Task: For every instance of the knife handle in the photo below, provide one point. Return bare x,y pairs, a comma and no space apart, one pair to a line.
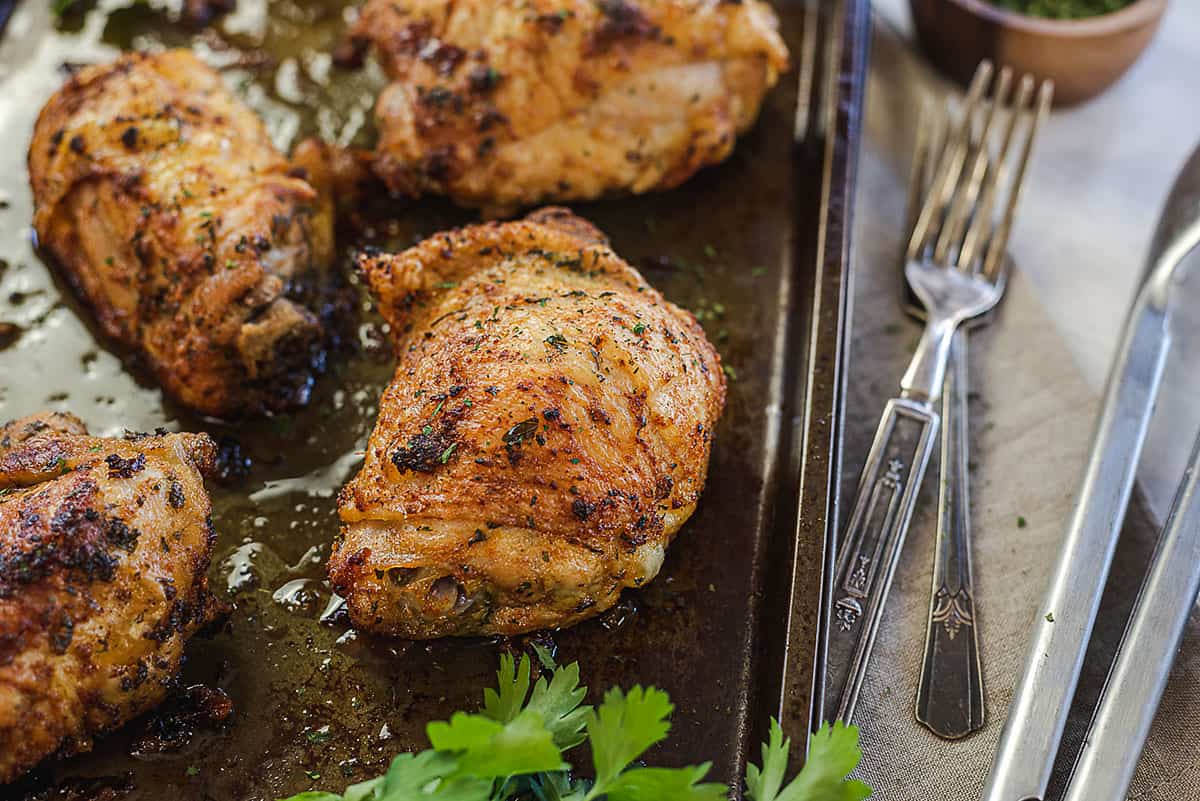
1143,663
1041,700
870,547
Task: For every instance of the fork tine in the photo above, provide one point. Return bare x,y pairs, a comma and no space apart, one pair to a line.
982,223
950,165
924,158
937,148
967,191
995,252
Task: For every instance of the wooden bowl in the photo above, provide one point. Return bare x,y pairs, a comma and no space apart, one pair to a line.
1083,56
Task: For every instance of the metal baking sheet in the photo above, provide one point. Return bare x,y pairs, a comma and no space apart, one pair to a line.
757,247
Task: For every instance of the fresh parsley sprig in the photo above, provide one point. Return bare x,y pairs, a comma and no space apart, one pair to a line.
512,750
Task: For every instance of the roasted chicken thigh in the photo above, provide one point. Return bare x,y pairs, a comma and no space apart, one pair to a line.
104,544
513,102
545,435
190,237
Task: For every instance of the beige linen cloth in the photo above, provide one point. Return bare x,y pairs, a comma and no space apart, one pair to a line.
1031,427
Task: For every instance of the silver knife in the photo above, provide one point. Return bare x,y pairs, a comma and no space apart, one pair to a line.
1033,732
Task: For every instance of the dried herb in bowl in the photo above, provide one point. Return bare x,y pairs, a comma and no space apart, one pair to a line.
1063,9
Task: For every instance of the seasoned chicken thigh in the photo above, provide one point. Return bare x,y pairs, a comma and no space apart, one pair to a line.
104,544
166,205
545,435
513,102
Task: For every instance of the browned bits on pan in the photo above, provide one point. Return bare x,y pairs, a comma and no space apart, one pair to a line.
174,725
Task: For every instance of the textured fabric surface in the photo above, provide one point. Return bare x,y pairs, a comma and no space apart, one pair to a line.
1032,422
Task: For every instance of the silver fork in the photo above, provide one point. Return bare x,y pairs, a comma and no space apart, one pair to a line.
950,695
953,266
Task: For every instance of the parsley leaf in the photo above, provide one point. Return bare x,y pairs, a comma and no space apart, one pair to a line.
833,752
623,728
429,774
488,749
557,787
503,703
545,655
557,701
656,784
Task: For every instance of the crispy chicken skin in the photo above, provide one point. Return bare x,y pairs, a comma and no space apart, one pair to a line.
183,228
513,102
104,544
545,435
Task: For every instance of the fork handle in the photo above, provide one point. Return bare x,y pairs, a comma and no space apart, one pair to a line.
927,371
950,693
870,548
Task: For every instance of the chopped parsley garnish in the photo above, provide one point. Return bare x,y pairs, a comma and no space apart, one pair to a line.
521,431
318,736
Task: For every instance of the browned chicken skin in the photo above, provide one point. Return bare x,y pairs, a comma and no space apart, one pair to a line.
514,102
545,435
184,229
104,544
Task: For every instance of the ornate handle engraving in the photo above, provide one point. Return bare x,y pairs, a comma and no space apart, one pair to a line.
953,612
884,500
870,547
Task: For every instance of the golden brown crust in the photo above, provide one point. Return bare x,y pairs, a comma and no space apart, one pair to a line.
104,544
170,211
545,435
515,102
